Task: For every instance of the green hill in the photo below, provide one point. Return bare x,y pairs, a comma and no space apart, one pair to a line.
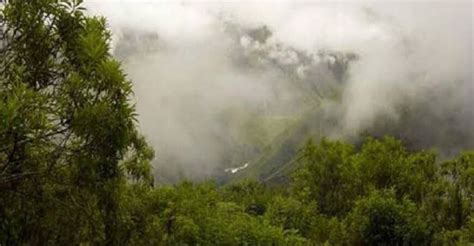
277,157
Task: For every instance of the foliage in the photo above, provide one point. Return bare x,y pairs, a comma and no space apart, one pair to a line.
67,124
381,219
386,194
75,170
328,177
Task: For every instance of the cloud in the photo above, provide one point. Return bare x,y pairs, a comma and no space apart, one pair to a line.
194,64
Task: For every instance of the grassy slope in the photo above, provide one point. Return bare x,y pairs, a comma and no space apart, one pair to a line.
278,157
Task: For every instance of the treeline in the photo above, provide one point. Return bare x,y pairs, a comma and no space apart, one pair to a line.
379,194
74,169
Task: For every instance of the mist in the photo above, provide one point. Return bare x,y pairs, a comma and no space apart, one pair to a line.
202,71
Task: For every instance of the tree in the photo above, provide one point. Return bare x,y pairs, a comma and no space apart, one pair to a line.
66,126
75,170
290,213
381,163
384,193
254,196
327,176
379,219
458,195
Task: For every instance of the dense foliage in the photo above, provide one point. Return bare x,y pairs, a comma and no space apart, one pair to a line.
75,170
378,193
67,133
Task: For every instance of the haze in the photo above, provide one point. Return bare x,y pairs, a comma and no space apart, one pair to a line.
201,70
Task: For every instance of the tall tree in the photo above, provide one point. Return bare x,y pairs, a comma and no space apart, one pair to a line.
67,124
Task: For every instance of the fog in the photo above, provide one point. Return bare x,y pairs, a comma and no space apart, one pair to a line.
202,71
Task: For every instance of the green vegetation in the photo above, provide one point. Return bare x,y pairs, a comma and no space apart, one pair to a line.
75,171
278,157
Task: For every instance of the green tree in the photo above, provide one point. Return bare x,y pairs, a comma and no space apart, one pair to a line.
66,126
291,214
458,192
380,219
327,177
381,163
199,214
252,195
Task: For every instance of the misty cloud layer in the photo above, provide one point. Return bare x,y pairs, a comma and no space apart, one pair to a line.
201,71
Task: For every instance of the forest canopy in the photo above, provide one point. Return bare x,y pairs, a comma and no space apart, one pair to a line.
75,170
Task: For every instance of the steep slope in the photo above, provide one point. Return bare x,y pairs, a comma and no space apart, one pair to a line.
278,157
419,126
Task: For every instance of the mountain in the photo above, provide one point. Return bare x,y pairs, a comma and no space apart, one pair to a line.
259,139
297,82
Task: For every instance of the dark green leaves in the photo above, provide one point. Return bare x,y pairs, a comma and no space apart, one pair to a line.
66,125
